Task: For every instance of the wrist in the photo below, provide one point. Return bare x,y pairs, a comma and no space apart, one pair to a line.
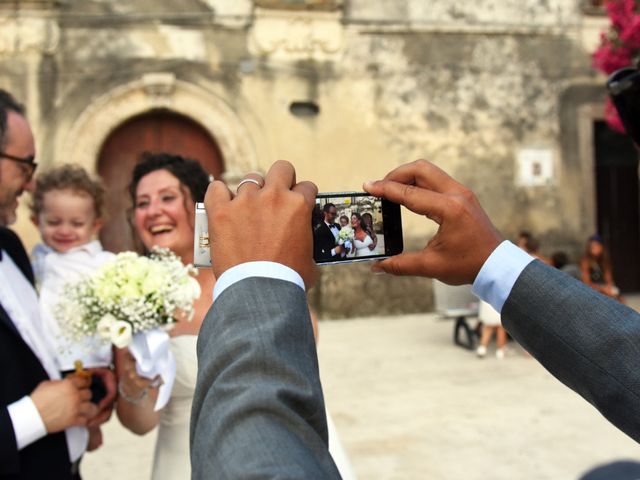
132,394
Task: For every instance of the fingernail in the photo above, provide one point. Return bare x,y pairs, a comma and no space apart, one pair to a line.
377,269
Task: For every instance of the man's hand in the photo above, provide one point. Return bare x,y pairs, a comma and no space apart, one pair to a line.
105,406
64,403
466,237
270,221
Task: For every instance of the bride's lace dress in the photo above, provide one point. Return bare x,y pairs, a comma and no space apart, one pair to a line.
172,460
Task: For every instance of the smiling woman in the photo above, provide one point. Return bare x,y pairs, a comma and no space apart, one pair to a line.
163,190
155,131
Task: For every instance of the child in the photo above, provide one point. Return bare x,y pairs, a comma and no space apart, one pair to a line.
345,236
67,209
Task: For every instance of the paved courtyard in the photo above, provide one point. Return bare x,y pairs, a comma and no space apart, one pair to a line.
410,405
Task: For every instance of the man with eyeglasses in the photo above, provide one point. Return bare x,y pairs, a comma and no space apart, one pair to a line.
42,416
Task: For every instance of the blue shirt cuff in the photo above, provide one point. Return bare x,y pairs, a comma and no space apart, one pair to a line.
499,273
256,269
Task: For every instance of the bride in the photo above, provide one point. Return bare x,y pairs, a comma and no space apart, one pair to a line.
362,237
164,189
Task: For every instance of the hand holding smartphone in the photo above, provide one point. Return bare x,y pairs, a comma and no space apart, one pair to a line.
347,227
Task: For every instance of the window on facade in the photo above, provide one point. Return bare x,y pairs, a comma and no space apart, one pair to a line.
323,5
595,7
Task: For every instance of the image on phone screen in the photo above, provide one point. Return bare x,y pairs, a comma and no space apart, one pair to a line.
354,226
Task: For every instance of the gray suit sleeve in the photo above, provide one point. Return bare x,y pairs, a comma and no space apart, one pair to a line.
588,341
258,409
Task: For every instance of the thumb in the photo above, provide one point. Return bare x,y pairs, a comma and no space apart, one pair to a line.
411,263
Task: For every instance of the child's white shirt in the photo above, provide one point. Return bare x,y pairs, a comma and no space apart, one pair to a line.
53,271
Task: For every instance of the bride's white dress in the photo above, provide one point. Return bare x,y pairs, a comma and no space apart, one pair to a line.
362,247
172,459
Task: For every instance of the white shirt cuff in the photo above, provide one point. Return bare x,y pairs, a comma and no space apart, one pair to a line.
27,423
499,273
256,269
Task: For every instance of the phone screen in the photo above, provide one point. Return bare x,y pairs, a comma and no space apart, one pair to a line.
354,226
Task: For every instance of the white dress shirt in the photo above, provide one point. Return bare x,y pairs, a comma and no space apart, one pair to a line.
20,301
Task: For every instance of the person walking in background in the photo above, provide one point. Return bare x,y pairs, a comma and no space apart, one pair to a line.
491,324
560,260
596,269
530,244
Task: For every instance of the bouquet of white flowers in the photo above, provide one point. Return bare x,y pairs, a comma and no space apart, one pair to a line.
130,302
345,237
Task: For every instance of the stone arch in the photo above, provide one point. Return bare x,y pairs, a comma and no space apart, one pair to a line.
83,141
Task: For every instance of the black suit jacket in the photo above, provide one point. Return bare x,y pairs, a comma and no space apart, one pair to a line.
20,373
324,242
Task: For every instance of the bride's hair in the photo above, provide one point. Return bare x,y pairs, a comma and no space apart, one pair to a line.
363,225
189,172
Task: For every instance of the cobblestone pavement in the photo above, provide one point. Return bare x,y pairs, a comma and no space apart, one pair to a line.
410,405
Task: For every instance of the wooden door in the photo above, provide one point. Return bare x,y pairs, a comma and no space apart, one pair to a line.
618,203
157,131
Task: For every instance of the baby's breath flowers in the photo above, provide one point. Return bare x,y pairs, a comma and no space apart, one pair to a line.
129,295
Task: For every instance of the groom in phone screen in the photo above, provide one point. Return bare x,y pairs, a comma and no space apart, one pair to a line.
325,236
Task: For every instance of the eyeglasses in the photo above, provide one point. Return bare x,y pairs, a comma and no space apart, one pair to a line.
624,89
27,163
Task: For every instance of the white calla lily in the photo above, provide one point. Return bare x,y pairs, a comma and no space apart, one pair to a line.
121,333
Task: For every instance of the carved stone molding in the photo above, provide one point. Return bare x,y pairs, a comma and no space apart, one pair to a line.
296,35
82,141
28,35
159,87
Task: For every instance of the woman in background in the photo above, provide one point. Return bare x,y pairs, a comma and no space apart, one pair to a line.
367,218
595,266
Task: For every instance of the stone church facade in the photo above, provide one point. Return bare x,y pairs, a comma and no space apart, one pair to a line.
499,93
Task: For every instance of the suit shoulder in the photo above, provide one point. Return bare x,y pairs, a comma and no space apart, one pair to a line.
9,237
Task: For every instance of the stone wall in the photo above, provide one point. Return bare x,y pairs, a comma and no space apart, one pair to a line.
467,85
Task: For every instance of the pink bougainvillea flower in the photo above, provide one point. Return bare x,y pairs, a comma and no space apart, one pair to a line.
630,35
620,12
609,58
619,47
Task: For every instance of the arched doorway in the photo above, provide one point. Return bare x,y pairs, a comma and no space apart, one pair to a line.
155,131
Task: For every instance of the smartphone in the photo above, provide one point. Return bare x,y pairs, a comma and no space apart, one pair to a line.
355,227
201,251
347,227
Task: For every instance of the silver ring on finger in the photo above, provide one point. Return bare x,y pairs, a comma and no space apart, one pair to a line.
248,180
